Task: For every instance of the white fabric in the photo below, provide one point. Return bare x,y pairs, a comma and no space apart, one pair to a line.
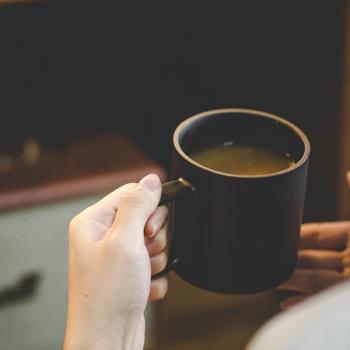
320,323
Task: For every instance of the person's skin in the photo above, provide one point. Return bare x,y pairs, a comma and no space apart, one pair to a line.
114,248
118,243
323,258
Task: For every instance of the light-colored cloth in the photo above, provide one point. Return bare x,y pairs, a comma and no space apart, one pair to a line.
319,323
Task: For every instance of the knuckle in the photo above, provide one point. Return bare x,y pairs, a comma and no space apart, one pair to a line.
316,236
160,261
157,245
74,224
135,196
159,289
129,186
163,257
346,272
78,226
128,252
162,239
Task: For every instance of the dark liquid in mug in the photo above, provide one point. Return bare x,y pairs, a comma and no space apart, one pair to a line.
243,159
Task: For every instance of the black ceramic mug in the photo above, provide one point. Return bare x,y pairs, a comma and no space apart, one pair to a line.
233,233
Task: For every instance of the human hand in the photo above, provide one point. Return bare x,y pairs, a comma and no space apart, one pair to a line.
114,247
323,259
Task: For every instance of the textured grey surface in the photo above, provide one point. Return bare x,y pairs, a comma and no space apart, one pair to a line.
35,240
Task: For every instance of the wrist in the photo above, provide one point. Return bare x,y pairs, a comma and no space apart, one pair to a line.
77,339
87,342
92,334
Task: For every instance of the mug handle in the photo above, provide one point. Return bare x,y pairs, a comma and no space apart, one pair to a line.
178,190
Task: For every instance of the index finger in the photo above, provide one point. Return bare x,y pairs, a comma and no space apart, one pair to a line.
104,211
326,235
112,199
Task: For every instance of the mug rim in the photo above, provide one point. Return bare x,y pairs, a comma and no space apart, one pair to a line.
187,122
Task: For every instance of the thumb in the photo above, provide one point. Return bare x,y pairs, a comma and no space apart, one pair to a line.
348,178
135,207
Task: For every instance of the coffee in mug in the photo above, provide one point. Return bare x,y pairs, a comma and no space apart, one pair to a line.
235,159
235,226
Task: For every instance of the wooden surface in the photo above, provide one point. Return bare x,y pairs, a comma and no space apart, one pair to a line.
194,319
78,167
344,142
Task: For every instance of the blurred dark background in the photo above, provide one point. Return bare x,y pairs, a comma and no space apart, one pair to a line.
71,69
76,67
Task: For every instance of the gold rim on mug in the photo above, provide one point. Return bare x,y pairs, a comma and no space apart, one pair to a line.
182,127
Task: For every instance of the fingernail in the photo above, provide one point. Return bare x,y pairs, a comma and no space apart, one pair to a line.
156,227
150,182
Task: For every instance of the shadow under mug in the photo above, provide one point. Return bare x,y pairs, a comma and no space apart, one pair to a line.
233,233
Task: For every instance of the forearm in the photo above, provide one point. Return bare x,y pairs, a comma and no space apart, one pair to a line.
87,342
85,332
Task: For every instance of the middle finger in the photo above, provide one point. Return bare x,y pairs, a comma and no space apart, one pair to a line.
158,243
326,235
158,263
320,259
